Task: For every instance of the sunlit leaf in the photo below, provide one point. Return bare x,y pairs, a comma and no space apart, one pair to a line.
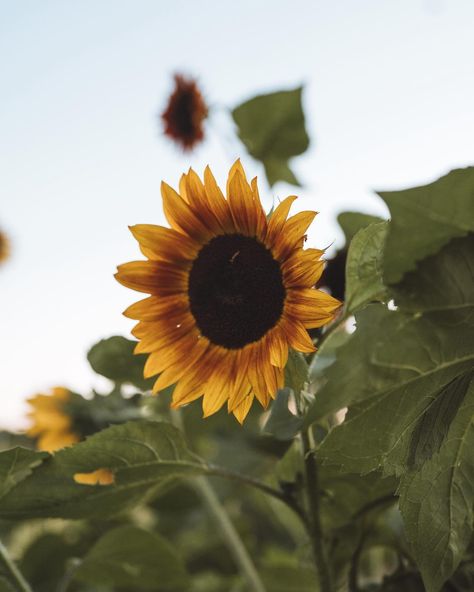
364,267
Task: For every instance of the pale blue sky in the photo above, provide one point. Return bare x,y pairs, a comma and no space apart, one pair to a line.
389,97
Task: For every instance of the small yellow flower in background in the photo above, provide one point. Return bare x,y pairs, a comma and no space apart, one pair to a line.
230,293
51,425
185,113
53,429
4,247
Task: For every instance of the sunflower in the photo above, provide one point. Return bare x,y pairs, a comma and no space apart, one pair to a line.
51,425
4,247
185,113
230,293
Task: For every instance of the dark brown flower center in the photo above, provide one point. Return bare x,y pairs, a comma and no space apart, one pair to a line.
235,290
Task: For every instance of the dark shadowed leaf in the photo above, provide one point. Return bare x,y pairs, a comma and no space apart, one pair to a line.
437,501
281,423
272,127
131,556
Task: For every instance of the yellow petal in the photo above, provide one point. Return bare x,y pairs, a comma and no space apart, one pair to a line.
165,243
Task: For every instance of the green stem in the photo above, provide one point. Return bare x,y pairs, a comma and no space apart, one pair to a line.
313,498
234,542
230,534
246,479
12,572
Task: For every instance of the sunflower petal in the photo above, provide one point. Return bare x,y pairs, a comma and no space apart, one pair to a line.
163,243
180,215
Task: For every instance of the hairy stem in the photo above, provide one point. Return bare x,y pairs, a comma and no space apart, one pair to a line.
313,499
230,534
12,572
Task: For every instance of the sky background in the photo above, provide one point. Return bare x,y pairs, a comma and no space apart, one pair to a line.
389,96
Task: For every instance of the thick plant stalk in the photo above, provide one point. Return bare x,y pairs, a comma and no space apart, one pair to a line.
10,569
315,529
233,540
217,510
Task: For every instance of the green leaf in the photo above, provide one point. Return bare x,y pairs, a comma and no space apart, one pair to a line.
352,222
272,128
443,282
296,372
131,556
17,464
143,455
281,423
426,218
114,359
432,428
395,365
364,281
437,501
398,365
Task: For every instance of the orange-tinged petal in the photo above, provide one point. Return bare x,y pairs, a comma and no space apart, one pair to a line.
180,215
278,347
218,203
154,308
164,244
297,335
240,198
153,277
303,268
277,220
242,409
293,234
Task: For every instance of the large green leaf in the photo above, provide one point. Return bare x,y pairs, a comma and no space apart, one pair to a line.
272,127
131,556
437,501
141,454
364,281
426,218
396,365
114,359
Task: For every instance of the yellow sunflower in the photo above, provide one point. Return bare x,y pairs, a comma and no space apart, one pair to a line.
51,425
53,429
230,293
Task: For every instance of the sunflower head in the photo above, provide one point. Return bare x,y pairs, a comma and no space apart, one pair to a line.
50,423
230,293
4,247
185,113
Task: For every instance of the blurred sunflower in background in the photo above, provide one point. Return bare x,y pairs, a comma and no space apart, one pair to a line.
185,113
4,247
52,427
230,293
